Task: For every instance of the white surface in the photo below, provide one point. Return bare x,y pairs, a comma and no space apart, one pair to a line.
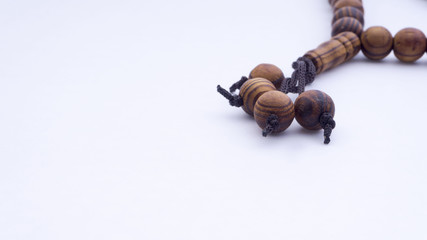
111,128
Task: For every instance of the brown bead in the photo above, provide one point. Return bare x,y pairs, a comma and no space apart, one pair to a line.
351,42
332,2
274,103
348,3
348,12
347,24
251,90
377,43
409,44
269,72
309,107
334,52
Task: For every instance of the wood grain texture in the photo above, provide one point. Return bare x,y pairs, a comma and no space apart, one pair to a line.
251,90
351,42
310,105
334,52
332,2
348,12
347,24
277,103
409,44
349,3
269,72
377,43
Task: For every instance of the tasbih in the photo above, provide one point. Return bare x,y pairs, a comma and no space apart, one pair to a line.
263,94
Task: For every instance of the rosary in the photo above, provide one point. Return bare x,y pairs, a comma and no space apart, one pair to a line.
263,94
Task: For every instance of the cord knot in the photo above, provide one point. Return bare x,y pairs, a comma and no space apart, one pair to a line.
233,99
304,73
328,123
272,124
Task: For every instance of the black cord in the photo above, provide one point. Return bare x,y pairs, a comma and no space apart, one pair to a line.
304,73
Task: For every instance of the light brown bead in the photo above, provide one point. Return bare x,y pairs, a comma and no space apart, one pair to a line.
409,44
348,3
347,24
269,72
334,52
348,12
251,90
274,103
310,105
377,43
351,42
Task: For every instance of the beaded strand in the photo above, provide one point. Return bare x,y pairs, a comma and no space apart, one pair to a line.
263,94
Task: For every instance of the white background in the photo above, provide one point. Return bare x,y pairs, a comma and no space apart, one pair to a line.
111,126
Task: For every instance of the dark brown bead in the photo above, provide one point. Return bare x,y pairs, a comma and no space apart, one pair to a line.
409,44
274,103
347,24
348,12
334,52
351,42
348,3
309,107
377,43
251,90
269,72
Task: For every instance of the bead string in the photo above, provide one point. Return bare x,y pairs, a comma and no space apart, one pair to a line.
263,94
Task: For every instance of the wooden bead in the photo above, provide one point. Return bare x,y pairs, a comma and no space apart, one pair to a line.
269,72
310,105
348,12
327,55
274,103
377,43
332,2
251,90
351,42
348,3
347,24
409,44
334,52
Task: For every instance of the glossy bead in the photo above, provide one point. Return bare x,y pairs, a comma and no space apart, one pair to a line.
409,44
251,90
269,72
348,3
377,43
310,105
347,24
274,103
348,12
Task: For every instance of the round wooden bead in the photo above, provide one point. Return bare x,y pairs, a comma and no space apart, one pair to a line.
310,105
349,3
348,12
377,43
251,90
274,103
409,44
347,24
269,72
